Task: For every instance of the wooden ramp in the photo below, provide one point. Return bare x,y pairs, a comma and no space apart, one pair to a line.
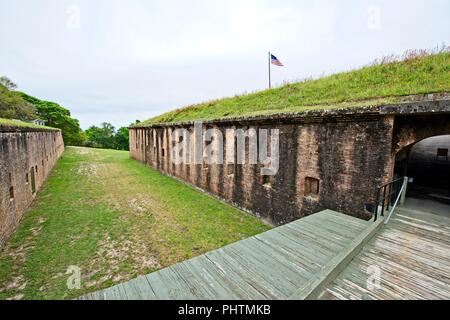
412,253
286,262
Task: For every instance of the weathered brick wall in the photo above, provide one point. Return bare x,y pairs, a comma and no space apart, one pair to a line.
349,152
344,154
26,158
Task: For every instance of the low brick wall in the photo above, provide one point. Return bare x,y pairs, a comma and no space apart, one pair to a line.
27,156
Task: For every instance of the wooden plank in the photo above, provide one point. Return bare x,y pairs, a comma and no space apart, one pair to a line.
355,280
214,287
321,237
341,227
325,230
316,284
182,289
142,289
329,216
310,255
413,254
300,250
264,267
402,279
161,289
314,234
262,252
223,288
318,240
344,221
333,232
346,218
255,283
196,286
308,264
97,295
114,293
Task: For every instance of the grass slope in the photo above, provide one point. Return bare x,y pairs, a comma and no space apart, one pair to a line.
115,219
384,82
21,124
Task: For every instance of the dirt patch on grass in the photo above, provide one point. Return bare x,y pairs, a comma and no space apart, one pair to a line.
122,256
138,206
82,151
88,169
16,282
120,260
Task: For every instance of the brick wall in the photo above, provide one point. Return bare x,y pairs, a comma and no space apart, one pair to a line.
26,158
344,156
348,153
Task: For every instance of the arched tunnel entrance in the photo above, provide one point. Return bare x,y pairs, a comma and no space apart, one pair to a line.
427,164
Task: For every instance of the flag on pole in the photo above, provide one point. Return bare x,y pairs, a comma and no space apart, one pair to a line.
275,61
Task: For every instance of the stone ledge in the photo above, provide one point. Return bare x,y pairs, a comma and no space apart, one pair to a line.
420,107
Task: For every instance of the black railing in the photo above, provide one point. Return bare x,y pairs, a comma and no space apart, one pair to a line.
387,195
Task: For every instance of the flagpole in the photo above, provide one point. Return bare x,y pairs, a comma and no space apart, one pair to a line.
270,82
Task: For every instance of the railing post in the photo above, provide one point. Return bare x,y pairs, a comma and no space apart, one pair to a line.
383,200
405,186
377,204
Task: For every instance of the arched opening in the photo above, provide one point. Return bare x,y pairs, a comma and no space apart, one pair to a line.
427,164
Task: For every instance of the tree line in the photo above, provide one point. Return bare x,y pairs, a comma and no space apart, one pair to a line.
18,105
107,137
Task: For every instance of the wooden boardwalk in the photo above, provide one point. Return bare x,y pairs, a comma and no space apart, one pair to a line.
412,253
271,265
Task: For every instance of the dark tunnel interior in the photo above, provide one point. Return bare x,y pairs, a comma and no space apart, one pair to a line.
427,164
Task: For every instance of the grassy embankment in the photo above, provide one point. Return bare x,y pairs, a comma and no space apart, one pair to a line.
22,124
114,218
380,83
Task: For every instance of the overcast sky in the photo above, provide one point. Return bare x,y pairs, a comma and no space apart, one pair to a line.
118,61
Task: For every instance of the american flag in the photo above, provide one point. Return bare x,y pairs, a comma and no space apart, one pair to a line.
275,61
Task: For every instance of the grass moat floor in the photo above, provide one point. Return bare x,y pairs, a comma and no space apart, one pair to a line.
113,218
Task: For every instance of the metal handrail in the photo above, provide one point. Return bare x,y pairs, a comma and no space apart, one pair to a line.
400,194
386,194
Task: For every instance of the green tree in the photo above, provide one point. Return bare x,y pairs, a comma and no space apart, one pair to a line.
58,117
122,139
105,136
101,137
12,105
73,134
7,83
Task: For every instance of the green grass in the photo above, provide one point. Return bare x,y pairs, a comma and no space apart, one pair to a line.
380,83
115,219
22,124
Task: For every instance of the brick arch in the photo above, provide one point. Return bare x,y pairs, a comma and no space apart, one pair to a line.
408,130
